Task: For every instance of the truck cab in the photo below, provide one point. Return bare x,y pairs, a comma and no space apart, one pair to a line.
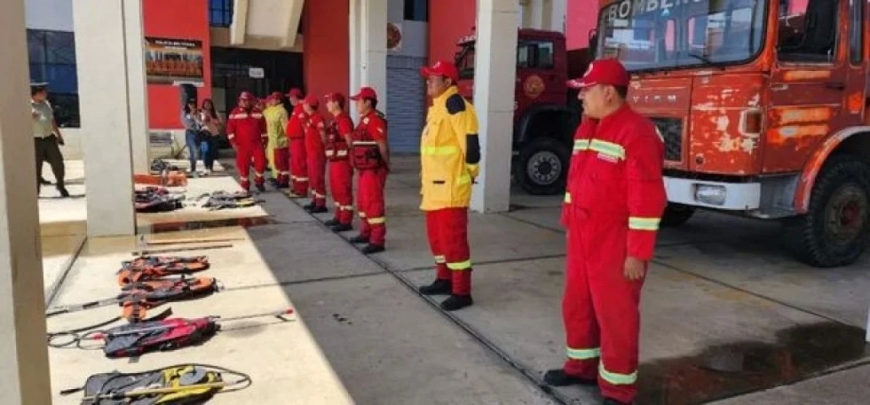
545,115
763,109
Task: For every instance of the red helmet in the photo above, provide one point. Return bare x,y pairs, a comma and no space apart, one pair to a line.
246,96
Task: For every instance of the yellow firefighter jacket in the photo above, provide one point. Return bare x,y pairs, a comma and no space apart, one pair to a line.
449,152
276,122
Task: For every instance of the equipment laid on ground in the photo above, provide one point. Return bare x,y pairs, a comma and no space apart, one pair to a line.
145,268
144,337
219,200
157,199
178,384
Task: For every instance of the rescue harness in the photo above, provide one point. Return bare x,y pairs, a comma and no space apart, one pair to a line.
173,385
157,199
145,268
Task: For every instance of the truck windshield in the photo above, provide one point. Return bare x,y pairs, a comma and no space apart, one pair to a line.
661,34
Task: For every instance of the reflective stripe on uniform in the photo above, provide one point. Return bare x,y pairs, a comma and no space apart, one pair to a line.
581,145
440,259
377,221
302,179
643,224
583,354
459,265
464,179
568,198
611,149
439,150
342,153
318,195
616,378
346,207
362,214
364,143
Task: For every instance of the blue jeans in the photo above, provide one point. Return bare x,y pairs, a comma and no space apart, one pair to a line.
193,148
208,150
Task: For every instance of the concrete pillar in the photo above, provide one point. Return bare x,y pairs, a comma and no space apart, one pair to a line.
104,85
24,374
137,86
494,82
558,15
368,48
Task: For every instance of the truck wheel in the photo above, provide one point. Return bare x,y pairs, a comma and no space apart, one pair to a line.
676,215
835,229
542,167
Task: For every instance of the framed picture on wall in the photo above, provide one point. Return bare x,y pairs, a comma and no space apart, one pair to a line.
173,61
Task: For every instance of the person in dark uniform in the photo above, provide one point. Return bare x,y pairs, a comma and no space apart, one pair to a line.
47,137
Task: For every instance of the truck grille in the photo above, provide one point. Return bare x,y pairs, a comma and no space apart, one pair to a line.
672,131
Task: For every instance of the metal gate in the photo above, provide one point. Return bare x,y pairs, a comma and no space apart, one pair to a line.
406,108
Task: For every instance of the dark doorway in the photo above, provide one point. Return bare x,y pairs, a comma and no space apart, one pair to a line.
231,74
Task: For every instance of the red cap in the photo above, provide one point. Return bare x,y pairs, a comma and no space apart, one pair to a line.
311,100
365,92
294,92
274,96
246,96
602,71
441,68
337,97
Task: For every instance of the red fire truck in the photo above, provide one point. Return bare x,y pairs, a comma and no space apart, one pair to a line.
763,107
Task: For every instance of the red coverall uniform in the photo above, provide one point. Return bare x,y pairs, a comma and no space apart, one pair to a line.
246,129
340,169
372,177
614,200
298,160
316,156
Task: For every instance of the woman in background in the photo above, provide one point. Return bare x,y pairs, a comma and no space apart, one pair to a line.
190,118
212,125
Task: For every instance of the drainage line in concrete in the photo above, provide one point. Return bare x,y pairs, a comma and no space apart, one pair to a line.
307,281
55,289
523,371
743,290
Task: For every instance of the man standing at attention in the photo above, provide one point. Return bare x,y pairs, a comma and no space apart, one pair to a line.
450,153
246,130
340,171
296,135
370,155
47,137
614,200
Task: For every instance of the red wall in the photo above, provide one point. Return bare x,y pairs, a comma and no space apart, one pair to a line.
187,19
326,47
582,16
449,21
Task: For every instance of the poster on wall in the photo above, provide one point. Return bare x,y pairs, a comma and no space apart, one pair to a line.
173,61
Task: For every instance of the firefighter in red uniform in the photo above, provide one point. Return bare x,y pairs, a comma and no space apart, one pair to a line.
613,204
371,157
246,130
315,134
296,134
340,171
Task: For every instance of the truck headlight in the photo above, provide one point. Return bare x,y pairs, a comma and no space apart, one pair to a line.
713,195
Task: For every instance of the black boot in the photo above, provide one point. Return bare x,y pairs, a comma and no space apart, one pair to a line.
369,249
308,207
318,209
559,378
611,401
261,188
341,228
331,222
456,302
359,239
63,192
438,287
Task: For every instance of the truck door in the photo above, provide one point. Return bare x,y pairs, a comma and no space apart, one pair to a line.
537,78
810,81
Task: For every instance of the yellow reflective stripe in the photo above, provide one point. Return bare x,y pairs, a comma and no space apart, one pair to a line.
616,378
459,265
581,145
607,148
583,354
464,179
346,207
362,214
440,259
377,221
440,150
302,178
568,198
643,224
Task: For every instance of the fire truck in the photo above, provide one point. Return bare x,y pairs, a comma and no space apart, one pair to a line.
546,113
763,107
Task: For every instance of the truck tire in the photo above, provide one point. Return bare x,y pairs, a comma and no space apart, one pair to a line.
676,215
834,232
542,167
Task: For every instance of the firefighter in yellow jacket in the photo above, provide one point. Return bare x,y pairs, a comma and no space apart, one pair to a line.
450,153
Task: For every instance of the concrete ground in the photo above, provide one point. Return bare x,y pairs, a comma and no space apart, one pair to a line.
721,291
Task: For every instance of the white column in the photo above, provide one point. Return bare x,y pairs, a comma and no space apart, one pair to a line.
100,29
368,48
137,87
559,12
494,77
868,324
24,374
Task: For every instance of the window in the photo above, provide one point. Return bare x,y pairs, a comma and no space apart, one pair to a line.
417,10
535,54
856,27
220,13
52,58
807,30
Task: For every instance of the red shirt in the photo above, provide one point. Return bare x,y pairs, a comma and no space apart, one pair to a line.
374,125
295,125
246,126
313,139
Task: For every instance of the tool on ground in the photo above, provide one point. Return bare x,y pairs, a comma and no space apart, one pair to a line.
146,252
180,241
177,384
161,335
219,200
157,199
145,268
136,298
